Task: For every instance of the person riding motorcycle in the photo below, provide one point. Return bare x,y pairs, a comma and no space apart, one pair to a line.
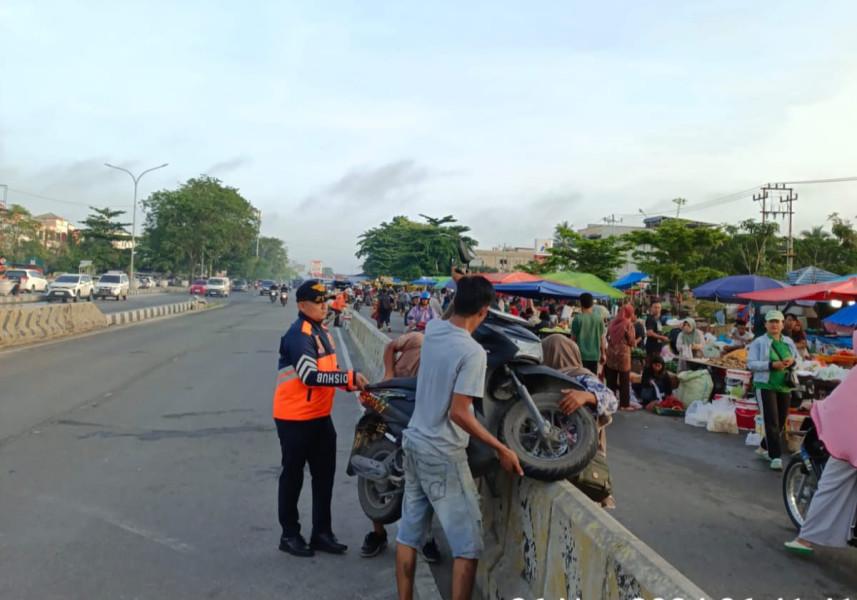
421,314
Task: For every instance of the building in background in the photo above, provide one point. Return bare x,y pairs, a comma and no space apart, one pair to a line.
55,231
504,259
603,230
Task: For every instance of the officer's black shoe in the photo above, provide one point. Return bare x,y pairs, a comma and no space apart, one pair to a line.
296,546
327,542
373,544
430,551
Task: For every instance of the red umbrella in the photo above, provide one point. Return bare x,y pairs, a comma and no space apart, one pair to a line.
829,290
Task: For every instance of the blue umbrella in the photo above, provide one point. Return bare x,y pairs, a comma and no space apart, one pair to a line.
543,289
629,280
726,289
449,284
423,281
847,317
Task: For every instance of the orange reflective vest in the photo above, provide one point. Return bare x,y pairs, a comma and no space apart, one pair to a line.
308,375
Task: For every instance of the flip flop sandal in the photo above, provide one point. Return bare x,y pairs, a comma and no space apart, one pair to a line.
798,548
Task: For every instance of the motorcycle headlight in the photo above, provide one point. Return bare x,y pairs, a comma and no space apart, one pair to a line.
529,349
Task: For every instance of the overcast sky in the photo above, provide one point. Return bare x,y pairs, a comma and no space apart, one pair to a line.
333,116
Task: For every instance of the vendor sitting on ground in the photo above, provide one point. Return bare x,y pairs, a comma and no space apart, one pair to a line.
740,336
655,376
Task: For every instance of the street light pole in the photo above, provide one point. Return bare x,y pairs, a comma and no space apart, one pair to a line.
134,212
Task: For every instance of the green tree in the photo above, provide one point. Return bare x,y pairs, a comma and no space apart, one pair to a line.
19,234
676,253
752,248
406,249
201,226
99,237
573,252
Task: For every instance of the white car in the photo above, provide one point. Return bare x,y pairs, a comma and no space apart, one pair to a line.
112,285
217,286
30,280
71,286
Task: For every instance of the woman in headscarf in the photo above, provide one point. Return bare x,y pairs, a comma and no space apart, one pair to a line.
689,343
562,354
617,368
831,511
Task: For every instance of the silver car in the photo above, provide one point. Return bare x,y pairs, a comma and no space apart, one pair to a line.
217,286
112,285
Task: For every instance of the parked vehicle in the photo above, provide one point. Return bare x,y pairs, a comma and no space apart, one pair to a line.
70,286
113,284
29,280
520,407
217,286
198,287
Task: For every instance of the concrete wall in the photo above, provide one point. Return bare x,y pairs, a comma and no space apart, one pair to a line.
27,325
548,540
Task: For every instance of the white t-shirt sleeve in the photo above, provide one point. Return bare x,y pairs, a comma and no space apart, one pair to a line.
470,379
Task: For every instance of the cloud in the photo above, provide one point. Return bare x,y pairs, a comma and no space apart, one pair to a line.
366,186
228,165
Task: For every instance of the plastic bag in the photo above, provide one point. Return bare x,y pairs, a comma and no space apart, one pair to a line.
693,386
697,414
722,417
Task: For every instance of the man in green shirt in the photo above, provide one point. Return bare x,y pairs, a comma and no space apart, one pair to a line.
588,331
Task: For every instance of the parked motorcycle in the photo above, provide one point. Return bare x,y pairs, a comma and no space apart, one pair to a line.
520,407
284,297
801,477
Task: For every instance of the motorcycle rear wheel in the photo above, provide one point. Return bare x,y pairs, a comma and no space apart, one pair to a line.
570,448
375,498
799,486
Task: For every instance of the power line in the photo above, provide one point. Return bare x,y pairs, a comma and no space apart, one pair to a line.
836,180
50,199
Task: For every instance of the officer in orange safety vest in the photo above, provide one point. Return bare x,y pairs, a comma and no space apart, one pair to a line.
306,382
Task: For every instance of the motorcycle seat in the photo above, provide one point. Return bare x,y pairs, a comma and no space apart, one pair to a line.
406,383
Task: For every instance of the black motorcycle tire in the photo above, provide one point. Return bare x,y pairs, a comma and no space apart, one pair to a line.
382,510
550,469
794,469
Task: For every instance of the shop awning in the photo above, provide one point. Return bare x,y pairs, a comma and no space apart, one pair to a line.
817,292
847,317
513,277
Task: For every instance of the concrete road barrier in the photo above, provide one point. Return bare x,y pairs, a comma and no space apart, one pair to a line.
548,540
158,290
370,344
142,314
18,326
21,298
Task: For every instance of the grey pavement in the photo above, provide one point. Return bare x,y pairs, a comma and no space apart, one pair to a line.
703,502
143,463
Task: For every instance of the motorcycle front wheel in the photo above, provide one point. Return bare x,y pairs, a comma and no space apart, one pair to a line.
567,450
799,486
381,501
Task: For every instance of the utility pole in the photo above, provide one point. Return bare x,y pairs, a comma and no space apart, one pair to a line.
612,220
679,202
259,232
782,209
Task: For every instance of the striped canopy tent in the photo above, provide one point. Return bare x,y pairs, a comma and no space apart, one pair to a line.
809,275
585,281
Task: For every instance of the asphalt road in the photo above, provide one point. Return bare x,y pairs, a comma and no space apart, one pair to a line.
142,462
703,502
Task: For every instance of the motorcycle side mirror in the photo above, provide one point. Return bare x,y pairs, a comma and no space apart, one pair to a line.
464,253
